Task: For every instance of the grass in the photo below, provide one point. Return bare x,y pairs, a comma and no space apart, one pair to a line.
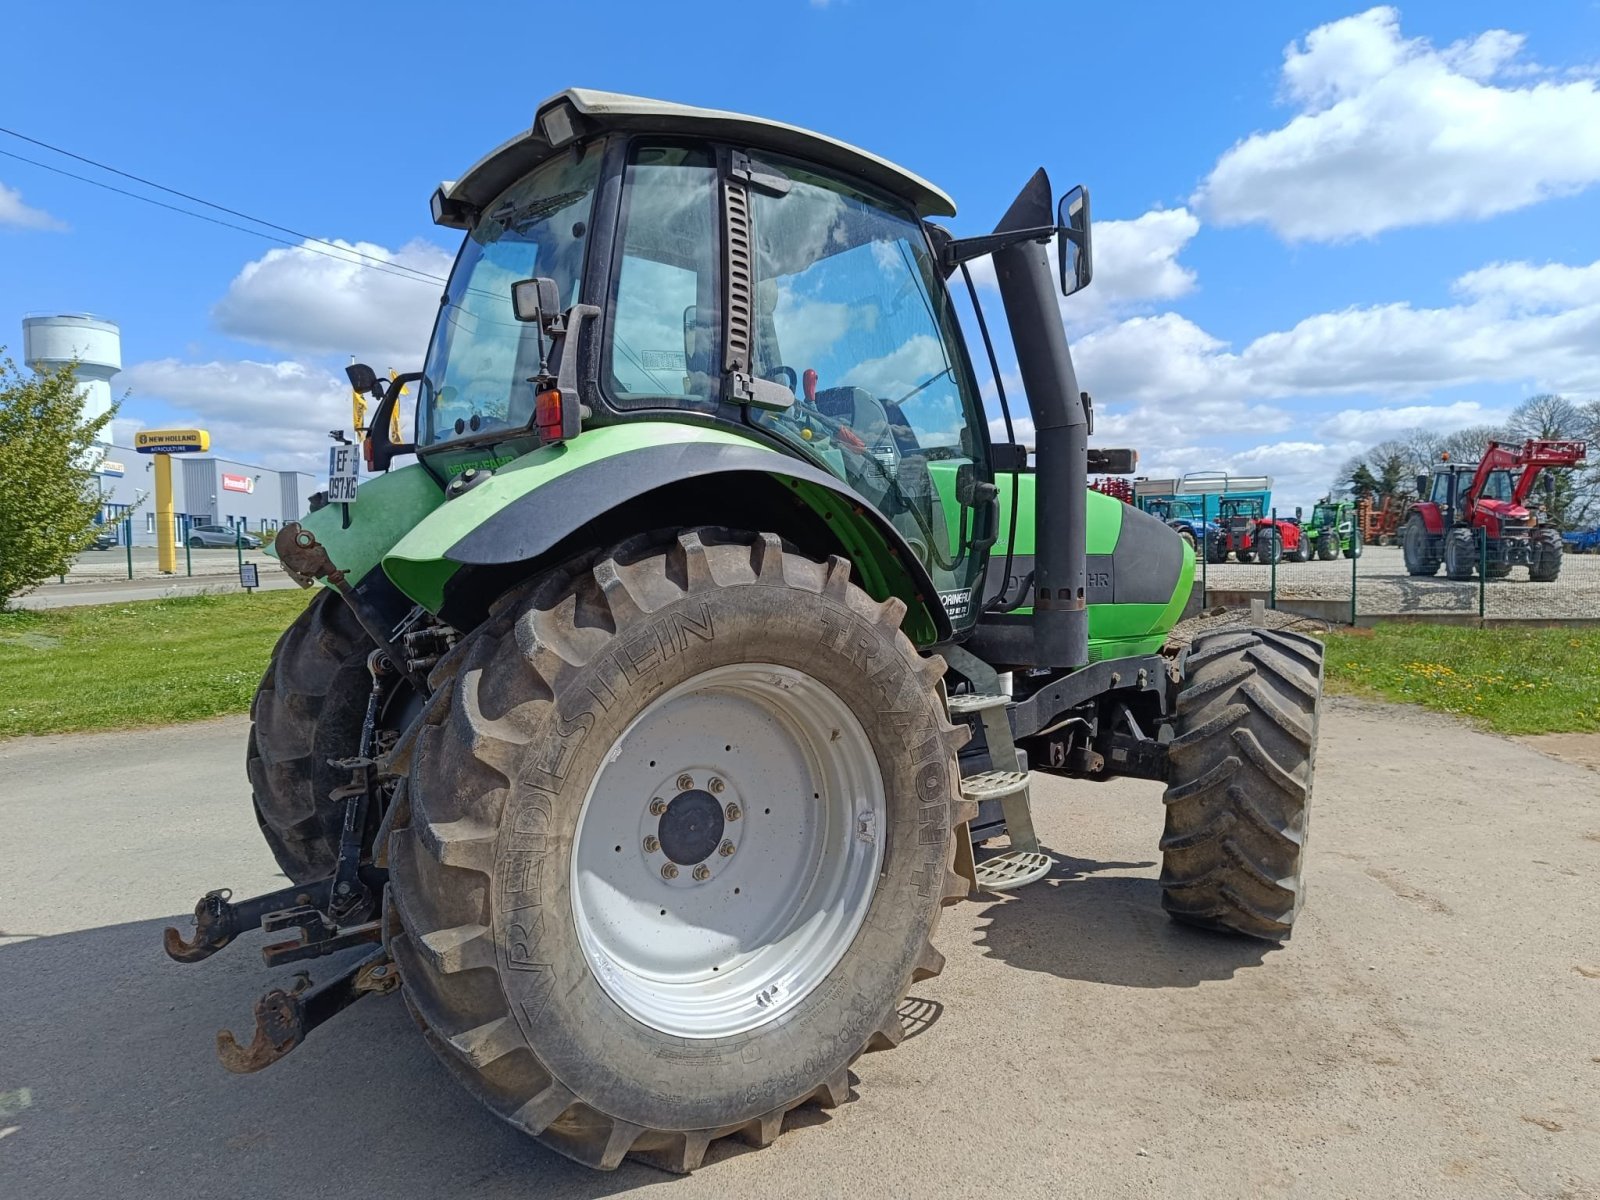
1505,680
152,662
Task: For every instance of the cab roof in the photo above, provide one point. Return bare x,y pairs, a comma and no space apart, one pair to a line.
582,112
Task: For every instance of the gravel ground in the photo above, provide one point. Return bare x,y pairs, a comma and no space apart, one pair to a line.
1433,1030
1383,587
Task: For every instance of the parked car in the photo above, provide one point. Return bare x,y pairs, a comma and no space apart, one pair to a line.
104,540
213,536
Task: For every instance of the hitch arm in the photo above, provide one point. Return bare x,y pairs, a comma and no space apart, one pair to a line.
217,920
283,1018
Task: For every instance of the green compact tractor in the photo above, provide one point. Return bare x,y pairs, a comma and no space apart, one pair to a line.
1333,529
648,719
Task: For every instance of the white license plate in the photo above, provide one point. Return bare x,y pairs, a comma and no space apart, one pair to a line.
343,466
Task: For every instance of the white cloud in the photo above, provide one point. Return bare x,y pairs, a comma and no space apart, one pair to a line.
309,303
1530,288
14,214
1135,262
277,414
1392,132
1368,425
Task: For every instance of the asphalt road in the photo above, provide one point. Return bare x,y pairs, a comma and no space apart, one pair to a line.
120,591
1432,1030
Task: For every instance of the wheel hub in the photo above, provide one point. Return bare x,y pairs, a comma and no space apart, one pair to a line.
691,828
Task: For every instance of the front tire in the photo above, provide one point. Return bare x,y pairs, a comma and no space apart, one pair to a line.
1460,552
1353,550
1238,795
1547,550
1328,544
590,996
1268,547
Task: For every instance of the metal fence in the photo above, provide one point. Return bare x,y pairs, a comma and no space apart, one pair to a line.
1374,582
124,560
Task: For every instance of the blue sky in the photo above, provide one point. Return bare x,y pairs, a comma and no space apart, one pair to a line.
1316,223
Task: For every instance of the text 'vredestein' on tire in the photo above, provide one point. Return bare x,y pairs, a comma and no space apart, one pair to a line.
1238,796
676,834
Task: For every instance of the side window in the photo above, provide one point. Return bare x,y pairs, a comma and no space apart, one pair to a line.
1441,488
663,328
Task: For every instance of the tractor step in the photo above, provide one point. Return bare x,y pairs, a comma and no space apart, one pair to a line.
973,702
994,785
1013,869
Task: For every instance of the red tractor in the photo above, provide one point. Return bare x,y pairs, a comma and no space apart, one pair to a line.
1463,498
1246,533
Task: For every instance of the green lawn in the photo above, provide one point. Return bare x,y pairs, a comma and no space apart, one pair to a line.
1507,680
146,663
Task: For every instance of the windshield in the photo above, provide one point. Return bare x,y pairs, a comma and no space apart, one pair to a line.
1241,508
1325,514
1497,486
481,357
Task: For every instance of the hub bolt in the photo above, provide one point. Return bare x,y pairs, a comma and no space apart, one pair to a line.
702,872
651,844
657,806
725,849
733,811
716,786
668,871
685,782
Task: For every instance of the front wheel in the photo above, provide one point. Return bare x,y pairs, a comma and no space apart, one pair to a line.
678,833
1328,544
1545,564
196,544
1268,547
1238,793
1353,549
1460,552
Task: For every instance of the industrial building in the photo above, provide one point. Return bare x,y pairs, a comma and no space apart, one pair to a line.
207,490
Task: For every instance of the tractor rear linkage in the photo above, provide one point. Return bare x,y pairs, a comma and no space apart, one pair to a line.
329,915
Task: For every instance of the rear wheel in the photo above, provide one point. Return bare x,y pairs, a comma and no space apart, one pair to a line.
1328,544
196,543
676,833
1545,566
308,708
1416,547
1186,535
1216,549
1239,790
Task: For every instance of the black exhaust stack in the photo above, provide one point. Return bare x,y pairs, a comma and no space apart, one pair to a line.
1028,288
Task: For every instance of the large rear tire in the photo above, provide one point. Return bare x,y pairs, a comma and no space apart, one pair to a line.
1238,795
674,838
308,708
1414,545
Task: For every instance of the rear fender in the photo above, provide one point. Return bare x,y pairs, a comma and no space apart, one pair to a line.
1432,517
357,536
621,479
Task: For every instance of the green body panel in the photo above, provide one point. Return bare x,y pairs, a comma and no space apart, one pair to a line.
419,566
391,505
1115,630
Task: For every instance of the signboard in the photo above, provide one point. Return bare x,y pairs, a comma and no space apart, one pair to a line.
249,576
344,464
107,467
171,441
238,483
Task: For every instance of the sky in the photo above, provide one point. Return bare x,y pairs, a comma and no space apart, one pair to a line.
1316,224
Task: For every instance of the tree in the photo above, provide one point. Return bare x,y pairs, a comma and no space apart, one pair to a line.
1362,483
49,492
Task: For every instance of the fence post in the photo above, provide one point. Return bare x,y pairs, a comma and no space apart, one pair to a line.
127,537
1483,568
238,545
188,550
1205,554
1353,561
1272,579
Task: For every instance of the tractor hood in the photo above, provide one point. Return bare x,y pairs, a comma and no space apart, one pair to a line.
1505,510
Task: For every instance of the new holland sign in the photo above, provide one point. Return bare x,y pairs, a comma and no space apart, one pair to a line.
171,441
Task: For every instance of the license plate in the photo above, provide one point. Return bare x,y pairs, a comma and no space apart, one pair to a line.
343,467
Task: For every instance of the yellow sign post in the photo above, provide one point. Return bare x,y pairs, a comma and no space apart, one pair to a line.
164,443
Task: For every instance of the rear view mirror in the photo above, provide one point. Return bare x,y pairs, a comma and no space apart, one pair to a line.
1073,243
363,379
535,300
1422,486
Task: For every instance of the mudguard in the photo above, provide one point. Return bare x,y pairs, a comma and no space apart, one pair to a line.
529,506
357,536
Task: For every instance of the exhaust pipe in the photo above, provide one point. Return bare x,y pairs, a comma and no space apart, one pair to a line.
1028,289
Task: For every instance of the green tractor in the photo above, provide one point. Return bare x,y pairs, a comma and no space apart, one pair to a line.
647,721
1333,529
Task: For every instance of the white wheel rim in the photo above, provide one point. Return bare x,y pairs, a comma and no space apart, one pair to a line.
713,946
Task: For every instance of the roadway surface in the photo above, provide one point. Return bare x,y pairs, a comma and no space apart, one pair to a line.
120,591
1433,1029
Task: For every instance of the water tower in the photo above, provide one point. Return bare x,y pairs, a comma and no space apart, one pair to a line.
49,342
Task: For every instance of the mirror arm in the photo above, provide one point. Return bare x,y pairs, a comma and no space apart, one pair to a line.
955,251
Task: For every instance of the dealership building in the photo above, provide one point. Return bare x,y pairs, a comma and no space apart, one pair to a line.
205,491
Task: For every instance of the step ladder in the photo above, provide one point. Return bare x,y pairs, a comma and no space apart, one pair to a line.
1005,781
